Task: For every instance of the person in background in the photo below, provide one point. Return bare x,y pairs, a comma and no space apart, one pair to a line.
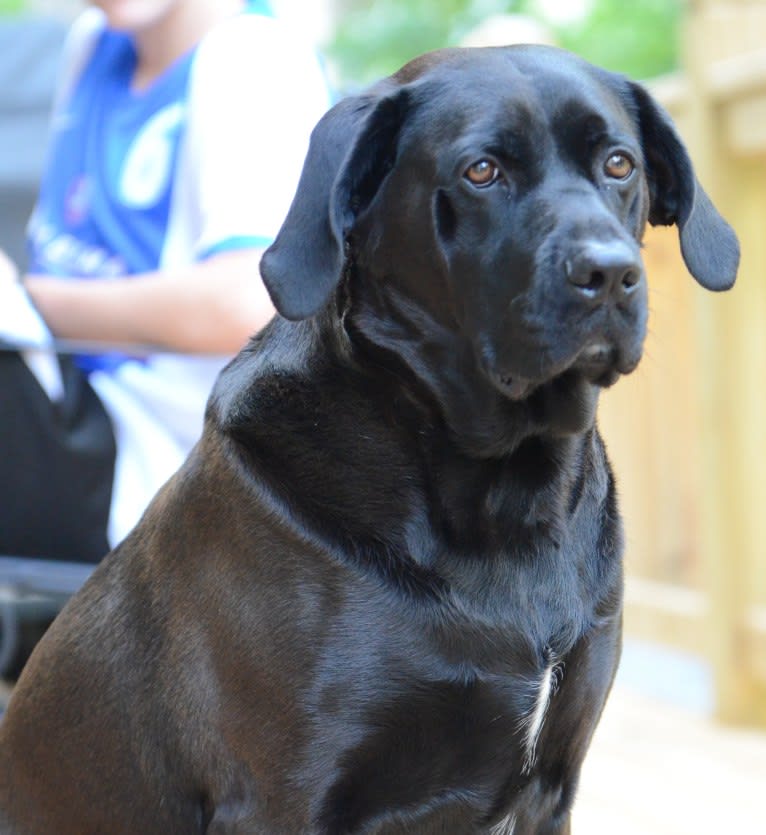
177,140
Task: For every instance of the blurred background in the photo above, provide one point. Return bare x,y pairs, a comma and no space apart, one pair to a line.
686,432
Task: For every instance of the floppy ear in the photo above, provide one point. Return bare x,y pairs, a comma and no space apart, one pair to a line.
352,149
708,244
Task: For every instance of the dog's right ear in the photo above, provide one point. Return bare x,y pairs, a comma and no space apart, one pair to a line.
708,244
352,149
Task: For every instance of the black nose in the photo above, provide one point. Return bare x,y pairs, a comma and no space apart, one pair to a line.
604,271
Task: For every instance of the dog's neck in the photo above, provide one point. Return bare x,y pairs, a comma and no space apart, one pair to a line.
361,419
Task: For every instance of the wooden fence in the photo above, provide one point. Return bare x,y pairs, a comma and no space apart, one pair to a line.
687,432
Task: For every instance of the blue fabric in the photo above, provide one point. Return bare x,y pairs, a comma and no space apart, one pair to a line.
112,158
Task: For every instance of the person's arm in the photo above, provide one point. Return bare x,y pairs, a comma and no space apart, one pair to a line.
209,307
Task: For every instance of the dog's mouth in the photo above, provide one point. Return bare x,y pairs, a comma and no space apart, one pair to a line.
604,364
599,363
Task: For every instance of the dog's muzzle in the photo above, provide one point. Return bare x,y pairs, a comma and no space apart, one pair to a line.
595,321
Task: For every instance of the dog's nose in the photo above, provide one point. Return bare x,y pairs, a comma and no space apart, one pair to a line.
603,271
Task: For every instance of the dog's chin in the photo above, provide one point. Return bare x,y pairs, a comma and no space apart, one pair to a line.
599,364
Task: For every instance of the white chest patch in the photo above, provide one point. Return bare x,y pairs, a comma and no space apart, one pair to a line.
505,827
532,723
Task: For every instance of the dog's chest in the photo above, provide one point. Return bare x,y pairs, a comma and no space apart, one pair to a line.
445,755
432,737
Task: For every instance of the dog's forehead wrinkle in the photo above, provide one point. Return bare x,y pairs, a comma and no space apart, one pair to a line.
577,120
568,87
509,130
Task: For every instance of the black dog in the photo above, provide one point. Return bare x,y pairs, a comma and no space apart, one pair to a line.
384,593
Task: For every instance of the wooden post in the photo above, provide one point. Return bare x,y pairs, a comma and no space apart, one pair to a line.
731,330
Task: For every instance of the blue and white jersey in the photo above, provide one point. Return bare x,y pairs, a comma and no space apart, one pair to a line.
205,159
104,204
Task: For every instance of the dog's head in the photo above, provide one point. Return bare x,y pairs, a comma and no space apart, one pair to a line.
500,195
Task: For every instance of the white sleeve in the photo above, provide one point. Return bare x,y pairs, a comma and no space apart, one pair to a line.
80,41
78,47
256,91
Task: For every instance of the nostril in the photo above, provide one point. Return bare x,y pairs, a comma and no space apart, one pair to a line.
630,280
590,283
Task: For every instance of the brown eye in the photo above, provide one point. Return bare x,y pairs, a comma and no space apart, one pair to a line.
482,173
619,167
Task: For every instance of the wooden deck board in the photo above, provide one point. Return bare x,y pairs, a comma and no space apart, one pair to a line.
655,769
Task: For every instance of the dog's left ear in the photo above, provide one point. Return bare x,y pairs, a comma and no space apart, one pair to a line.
352,149
708,244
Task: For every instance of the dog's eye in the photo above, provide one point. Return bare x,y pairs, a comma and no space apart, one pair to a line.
482,173
619,167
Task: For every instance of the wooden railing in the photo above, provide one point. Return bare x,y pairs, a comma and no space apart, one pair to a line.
687,432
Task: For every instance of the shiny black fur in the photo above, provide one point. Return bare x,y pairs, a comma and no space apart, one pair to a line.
400,521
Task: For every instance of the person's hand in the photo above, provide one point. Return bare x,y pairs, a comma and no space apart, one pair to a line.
9,273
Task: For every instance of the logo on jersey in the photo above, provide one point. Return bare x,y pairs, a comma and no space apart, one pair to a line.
57,252
77,201
148,165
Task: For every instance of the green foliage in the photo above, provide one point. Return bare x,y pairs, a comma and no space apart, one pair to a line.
9,7
375,37
639,38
